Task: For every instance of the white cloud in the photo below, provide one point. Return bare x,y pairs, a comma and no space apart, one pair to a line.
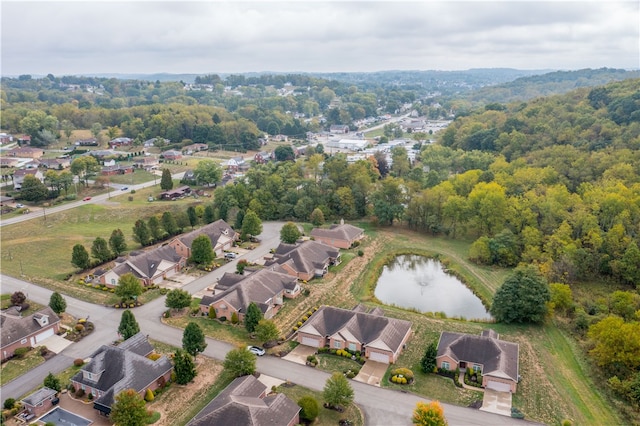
201,37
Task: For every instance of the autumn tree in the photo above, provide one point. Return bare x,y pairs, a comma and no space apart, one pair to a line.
429,414
117,242
80,257
240,362
128,325
166,182
184,367
616,342
252,317
317,217
18,298
193,339
129,409
522,297
129,287
100,250
289,233
57,303
267,330
201,250
561,297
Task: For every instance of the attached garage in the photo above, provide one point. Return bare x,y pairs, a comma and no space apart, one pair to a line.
498,386
379,357
44,335
310,341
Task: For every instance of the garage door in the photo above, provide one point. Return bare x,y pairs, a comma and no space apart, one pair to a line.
379,357
309,341
498,386
40,337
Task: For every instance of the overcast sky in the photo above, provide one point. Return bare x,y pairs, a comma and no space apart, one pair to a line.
83,37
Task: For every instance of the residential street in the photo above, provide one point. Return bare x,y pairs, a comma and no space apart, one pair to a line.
381,406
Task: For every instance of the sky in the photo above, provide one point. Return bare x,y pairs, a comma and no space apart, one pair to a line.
203,37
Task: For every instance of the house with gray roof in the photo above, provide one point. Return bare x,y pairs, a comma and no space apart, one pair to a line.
342,236
496,360
245,402
377,337
220,233
26,331
305,260
150,267
113,369
267,288
39,402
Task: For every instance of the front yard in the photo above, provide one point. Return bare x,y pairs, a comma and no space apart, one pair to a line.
16,367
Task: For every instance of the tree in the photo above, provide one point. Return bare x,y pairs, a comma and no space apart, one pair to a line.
284,153
207,172
193,339
184,367
561,297
128,325
117,242
309,408
289,233
267,330
100,250
129,409
57,303
252,317
155,229
201,250
141,232
209,214
177,299
129,287
429,414
80,257
317,217
169,223
251,224
617,343
33,189
193,217
52,382
521,298
240,362
428,361
85,167
337,390
166,182
18,298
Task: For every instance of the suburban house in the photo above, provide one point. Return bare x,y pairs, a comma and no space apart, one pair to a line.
19,175
116,169
148,162
9,162
173,194
5,138
237,164
86,142
305,260
55,163
340,236
194,147
495,359
28,331
379,338
172,155
339,128
113,369
245,402
150,267
120,142
26,152
221,234
39,402
263,157
266,288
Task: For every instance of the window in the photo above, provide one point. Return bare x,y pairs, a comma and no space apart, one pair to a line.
337,344
23,341
445,365
113,281
477,368
352,346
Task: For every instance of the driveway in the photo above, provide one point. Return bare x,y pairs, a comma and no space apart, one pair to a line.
300,353
371,373
55,343
496,402
85,410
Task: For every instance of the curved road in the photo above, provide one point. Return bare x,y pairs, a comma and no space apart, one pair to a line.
381,406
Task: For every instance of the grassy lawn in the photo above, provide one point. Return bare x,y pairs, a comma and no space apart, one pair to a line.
235,334
17,367
332,363
325,416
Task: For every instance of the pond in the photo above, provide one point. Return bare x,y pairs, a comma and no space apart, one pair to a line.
417,282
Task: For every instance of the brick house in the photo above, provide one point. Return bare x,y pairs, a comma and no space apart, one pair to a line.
221,234
113,369
24,332
172,155
305,260
495,359
40,402
245,402
26,152
340,236
379,338
19,175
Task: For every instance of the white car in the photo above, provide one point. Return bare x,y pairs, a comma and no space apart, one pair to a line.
256,350
19,206
230,255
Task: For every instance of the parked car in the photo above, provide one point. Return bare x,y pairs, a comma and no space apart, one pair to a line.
230,256
124,188
19,206
86,198
256,350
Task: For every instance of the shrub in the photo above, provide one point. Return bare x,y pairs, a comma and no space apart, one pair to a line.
212,312
20,352
167,313
234,318
44,351
403,372
90,396
79,328
78,362
79,393
305,318
299,323
148,396
360,253
154,356
309,408
516,414
9,403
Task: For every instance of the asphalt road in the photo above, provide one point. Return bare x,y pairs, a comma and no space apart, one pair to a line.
381,406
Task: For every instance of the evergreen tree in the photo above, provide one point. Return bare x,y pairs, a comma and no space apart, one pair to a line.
193,339
428,362
201,250
521,298
184,367
129,409
169,223
100,250
290,233
252,317
166,182
117,242
57,303
309,408
209,214
193,217
52,382
128,325
141,232
80,257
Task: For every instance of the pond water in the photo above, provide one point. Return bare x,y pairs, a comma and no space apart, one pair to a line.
421,283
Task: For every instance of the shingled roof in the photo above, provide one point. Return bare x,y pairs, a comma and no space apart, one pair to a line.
344,231
372,330
145,265
213,230
15,328
240,403
117,368
498,357
306,256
